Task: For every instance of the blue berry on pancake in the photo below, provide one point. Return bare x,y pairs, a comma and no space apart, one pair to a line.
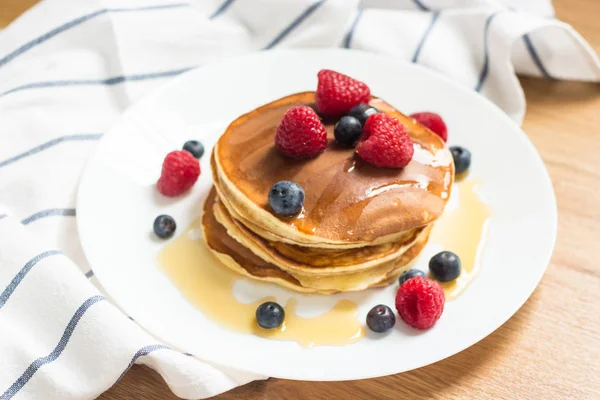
286,198
362,111
347,131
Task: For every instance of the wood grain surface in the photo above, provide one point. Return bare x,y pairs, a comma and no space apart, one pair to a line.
550,349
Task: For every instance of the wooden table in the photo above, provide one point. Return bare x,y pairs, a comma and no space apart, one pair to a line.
551,348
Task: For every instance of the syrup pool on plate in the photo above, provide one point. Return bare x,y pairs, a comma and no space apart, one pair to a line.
462,229
209,286
196,272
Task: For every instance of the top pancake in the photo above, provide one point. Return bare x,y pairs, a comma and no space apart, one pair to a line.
347,201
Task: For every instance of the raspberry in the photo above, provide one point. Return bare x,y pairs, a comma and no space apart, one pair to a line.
338,93
420,302
180,171
432,121
300,133
385,142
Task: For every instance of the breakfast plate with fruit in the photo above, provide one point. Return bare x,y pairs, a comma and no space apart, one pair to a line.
317,215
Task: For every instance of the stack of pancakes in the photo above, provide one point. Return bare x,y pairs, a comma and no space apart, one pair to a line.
361,226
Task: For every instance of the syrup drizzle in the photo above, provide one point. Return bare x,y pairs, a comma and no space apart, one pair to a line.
197,273
337,179
462,229
209,286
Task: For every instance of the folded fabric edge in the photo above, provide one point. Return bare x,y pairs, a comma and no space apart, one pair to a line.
182,372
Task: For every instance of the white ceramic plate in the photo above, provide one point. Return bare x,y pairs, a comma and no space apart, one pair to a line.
117,204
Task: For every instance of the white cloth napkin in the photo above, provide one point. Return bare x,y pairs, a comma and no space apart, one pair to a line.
68,68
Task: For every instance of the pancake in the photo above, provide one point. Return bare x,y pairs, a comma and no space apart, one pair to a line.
348,203
237,257
360,227
241,259
312,256
345,261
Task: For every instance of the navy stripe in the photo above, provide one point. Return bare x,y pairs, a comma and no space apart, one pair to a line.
3,216
189,354
532,52
22,273
350,34
485,69
34,366
221,9
434,19
305,14
69,212
51,143
535,56
77,21
108,81
141,352
89,274
421,6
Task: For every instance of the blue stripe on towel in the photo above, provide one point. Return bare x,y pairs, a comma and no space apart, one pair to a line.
51,143
141,352
221,9
532,51
22,273
350,34
89,274
3,216
535,56
434,19
486,61
69,212
305,14
78,21
421,6
108,81
64,340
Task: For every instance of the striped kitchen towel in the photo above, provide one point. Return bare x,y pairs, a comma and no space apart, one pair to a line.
68,69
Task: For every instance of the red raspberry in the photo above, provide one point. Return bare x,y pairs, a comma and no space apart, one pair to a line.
338,93
300,133
420,302
180,171
385,143
432,121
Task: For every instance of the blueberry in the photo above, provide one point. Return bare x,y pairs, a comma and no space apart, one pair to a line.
347,131
194,147
462,159
286,198
411,273
445,266
164,226
362,111
270,315
381,318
